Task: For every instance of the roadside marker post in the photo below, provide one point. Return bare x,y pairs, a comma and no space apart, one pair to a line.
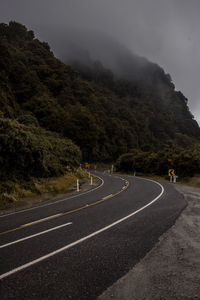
78,186
175,177
91,181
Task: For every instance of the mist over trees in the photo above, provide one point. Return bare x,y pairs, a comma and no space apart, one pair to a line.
50,110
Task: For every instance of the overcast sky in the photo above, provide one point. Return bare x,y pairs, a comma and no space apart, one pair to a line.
165,31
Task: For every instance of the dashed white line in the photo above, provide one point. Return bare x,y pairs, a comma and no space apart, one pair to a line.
33,262
34,235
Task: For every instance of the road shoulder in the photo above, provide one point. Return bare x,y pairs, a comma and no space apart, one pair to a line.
171,269
46,198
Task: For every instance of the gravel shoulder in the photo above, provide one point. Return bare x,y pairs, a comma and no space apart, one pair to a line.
171,270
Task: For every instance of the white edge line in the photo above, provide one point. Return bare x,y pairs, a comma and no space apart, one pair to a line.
33,235
58,201
84,238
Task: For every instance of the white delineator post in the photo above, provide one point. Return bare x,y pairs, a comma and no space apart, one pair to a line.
78,186
170,178
91,181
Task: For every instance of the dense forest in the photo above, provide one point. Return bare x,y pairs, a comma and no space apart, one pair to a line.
53,115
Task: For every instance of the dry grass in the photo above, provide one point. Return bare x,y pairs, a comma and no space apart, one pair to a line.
193,181
13,193
59,185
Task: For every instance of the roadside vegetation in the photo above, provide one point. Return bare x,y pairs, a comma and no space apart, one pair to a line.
190,181
15,194
53,117
185,162
103,114
193,181
31,151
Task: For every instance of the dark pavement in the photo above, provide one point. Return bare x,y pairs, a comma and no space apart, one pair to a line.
85,270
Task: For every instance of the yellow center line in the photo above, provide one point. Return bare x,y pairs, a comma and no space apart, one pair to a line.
65,213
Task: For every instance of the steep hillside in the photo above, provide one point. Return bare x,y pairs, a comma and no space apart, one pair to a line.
103,114
29,150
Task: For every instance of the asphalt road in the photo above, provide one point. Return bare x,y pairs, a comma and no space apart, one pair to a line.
77,247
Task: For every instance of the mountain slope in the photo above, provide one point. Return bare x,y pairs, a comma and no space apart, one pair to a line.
103,114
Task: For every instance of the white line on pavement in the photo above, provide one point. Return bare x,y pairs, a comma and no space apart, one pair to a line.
33,262
55,202
33,235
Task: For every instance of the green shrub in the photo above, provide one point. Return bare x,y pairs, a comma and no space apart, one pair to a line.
32,151
184,162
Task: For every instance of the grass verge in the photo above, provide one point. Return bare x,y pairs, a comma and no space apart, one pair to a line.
13,194
191,181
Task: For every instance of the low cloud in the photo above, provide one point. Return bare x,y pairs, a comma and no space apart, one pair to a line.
166,32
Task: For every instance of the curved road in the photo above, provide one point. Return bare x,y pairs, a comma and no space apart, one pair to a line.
77,247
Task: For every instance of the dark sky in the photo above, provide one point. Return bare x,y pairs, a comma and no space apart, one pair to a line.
165,31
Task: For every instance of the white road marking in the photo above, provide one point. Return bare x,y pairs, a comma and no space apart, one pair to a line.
58,201
107,197
34,235
33,262
38,221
